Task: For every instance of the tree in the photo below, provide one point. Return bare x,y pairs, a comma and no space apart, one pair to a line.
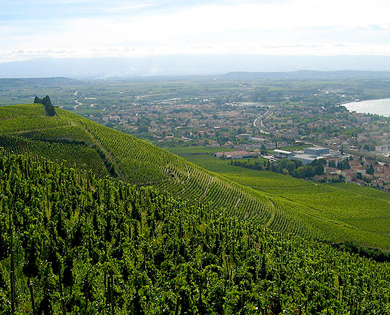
47,105
291,166
370,169
319,169
263,149
304,171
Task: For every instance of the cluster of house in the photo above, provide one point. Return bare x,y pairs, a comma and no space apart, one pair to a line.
360,170
359,173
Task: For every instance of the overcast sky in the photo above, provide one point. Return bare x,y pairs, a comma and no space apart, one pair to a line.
118,28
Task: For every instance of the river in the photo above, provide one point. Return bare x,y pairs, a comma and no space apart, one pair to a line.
379,107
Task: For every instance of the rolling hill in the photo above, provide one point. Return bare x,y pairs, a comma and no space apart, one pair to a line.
107,152
114,225
72,243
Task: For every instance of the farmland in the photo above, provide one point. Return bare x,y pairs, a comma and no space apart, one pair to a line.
96,220
214,111
341,210
73,243
329,213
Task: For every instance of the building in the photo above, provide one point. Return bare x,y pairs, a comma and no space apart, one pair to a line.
236,154
309,155
360,170
383,149
332,170
245,136
305,158
332,160
298,155
255,139
281,154
349,175
378,169
317,151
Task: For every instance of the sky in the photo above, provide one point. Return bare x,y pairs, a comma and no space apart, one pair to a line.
117,28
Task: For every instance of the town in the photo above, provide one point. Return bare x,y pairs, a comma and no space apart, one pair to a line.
335,166
239,115
259,116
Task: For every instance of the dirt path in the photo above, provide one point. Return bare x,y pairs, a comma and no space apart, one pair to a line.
272,218
208,186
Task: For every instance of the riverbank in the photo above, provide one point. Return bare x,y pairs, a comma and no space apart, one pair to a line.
378,107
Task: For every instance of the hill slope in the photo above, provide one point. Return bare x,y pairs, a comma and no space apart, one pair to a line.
74,244
342,211
85,144
132,160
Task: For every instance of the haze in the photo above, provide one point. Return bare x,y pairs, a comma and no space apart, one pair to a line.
123,29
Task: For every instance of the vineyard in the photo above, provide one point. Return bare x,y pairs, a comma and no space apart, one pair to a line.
336,212
267,200
73,243
134,161
79,156
341,213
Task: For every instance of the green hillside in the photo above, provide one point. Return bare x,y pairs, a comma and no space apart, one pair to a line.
266,201
132,160
340,211
71,243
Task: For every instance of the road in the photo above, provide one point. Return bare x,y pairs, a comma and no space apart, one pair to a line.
259,122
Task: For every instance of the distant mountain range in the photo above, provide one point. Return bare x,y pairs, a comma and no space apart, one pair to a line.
169,65
306,74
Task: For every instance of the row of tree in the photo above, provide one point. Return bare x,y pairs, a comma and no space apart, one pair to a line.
285,166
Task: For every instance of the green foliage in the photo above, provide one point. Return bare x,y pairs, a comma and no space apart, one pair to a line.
306,171
370,170
73,154
286,164
280,203
98,246
332,212
47,105
254,165
126,157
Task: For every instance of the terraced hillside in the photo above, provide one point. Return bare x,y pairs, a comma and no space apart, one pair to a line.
81,142
342,211
85,144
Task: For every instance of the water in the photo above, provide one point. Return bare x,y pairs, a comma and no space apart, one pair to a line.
379,107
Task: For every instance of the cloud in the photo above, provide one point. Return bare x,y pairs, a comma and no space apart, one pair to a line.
206,20
105,27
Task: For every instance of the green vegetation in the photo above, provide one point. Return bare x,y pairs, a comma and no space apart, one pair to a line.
251,164
138,162
47,105
76,155
77,237
26,128
74,244
336,213
280,203
95,221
